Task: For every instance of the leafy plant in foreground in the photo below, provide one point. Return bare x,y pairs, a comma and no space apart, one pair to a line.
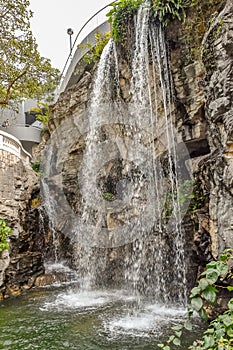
219,335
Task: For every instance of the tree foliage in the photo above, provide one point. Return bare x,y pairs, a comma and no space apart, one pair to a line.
23,72
120,15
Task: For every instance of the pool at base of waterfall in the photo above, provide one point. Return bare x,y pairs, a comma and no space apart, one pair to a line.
69,318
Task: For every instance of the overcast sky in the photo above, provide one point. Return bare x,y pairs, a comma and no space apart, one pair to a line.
52,18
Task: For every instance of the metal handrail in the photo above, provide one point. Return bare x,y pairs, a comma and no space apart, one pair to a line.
71,50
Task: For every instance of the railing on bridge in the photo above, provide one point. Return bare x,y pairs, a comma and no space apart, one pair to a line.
68,72
12,145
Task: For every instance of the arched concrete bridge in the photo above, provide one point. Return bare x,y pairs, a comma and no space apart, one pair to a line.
74,70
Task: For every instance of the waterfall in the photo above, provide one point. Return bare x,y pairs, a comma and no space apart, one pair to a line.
91,260
163,83
128,176
148,268
50,204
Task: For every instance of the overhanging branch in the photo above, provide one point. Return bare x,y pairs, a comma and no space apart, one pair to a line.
8,91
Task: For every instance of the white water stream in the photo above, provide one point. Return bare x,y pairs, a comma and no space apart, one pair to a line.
130,157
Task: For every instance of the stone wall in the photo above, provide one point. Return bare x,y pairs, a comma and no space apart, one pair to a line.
19,206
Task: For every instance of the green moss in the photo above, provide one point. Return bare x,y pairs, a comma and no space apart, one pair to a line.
197,22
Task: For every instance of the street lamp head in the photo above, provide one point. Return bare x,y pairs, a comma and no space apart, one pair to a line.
70,31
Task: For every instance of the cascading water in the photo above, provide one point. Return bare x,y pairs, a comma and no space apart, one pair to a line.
165,82
91,222
128,177
149,267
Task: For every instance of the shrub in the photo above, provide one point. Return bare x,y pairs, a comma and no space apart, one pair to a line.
5,231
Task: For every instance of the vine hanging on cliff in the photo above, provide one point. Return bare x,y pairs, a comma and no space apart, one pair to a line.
164,10
120,15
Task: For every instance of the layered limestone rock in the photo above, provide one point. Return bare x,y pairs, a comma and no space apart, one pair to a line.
218,62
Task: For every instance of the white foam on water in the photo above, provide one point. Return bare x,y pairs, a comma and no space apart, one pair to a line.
77,300
146,322
58,267
166,311
85,299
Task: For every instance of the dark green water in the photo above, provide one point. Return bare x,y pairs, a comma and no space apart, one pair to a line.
66,318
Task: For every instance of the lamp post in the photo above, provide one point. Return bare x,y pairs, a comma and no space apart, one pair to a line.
70,32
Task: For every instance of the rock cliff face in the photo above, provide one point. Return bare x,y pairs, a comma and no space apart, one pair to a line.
218,63
204,101
201,59
19,203
201,67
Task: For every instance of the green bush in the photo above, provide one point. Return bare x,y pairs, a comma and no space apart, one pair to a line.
42,112
36,167
166,10
5,231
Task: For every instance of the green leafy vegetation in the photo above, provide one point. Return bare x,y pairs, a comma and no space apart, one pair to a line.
94,53
120,16
5,231
108,196
219,335
36,167
167,10
23,72
197,22
42,112
123,11
190,198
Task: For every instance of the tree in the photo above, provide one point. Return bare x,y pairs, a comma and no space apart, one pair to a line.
23,72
